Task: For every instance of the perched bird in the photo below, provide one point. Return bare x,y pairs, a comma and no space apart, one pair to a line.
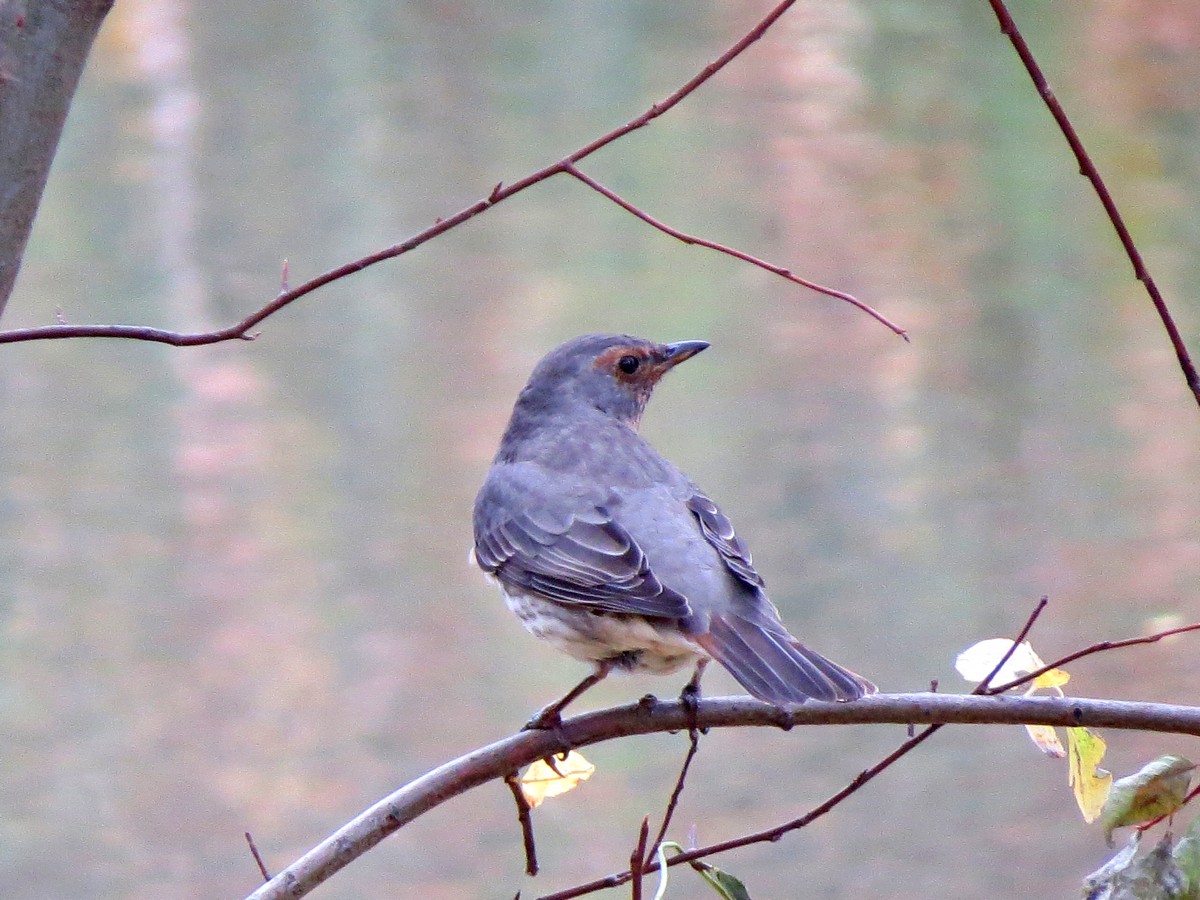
604,548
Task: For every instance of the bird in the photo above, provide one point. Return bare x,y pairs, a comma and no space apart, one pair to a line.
604,548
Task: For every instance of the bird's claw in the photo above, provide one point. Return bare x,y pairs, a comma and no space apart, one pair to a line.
546,720
690,698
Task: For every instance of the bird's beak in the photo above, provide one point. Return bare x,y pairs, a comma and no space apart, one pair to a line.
681,350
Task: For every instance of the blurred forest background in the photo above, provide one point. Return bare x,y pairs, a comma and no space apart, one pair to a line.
233,583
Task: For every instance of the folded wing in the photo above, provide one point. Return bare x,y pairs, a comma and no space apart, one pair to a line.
573,553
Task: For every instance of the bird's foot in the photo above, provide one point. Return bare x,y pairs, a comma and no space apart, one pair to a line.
548,719
690,698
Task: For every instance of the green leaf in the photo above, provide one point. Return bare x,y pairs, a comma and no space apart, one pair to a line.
724,884
1158,789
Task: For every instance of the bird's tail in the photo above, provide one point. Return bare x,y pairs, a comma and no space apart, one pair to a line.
774,666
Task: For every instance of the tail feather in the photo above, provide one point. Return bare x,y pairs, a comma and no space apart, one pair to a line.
775,667
747,654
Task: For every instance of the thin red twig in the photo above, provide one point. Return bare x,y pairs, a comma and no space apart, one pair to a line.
572,170
984,687
771,834
1088,169
676,792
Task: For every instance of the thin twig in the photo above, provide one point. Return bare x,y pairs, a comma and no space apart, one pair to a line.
616,198
262,867
242,330
514,785
1088,169
677,791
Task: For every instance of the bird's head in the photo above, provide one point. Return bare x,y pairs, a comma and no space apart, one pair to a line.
613,373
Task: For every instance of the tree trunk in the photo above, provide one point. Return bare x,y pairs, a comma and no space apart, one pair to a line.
43,47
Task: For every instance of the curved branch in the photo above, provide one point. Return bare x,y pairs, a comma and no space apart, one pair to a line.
650,715
1088,170
242,330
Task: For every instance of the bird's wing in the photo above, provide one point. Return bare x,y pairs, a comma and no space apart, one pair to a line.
567,550
718,531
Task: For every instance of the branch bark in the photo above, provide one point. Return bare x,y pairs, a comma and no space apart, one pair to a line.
649,715
43,48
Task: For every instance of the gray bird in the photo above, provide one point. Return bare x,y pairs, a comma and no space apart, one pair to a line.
602,547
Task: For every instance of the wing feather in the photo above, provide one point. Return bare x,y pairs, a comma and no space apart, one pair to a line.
570,551
718,531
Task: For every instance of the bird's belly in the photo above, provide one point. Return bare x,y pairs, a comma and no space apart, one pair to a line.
633,642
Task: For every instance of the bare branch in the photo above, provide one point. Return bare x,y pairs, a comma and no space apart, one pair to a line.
637,860
984,687
757,837
1088,169
643,717
242,330
1098,647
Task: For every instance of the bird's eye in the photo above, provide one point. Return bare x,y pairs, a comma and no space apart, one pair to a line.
628,364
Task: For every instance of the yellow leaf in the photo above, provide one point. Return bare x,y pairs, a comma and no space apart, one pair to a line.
541,780
1090,783
1055,678
1046,740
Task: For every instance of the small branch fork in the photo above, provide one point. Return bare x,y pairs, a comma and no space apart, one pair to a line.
243,330
1089,171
